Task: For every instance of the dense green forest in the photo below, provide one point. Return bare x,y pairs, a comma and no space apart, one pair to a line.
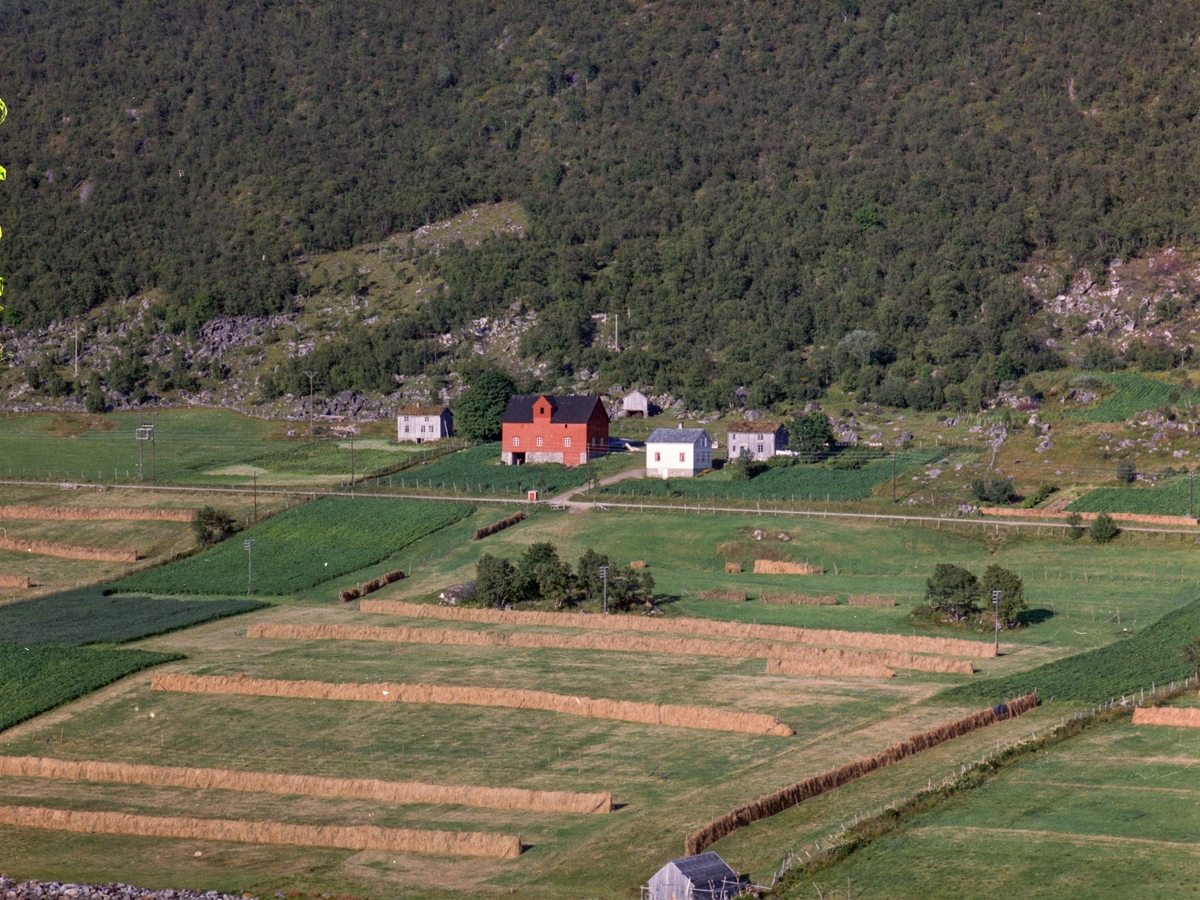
769,193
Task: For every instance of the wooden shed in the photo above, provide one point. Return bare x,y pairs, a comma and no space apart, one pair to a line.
702,877
636,405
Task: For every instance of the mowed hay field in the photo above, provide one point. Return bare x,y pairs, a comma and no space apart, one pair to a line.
665,781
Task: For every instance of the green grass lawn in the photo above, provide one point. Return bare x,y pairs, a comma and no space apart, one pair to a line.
1172,498
1134,394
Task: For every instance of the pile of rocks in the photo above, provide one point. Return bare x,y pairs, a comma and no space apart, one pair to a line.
54,890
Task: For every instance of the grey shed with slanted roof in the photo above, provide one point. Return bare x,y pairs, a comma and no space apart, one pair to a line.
702,877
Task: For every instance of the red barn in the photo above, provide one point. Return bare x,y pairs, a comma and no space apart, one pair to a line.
542,429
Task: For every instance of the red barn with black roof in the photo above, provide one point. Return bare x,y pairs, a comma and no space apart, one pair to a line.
540,428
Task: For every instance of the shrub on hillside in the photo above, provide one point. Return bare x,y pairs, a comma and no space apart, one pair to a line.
953,591
993,490
213,525
1104,529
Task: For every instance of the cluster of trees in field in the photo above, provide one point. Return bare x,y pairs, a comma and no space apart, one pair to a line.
539,574
770,195
955,593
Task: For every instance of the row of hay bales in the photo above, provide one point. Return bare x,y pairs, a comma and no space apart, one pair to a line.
489,530
773,804
707,627
79,514
14,581
67,551
306,785
807,660
370,587
348,837
388,692
780,567
1163,715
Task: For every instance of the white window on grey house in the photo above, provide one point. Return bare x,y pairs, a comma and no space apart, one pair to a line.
758,437
760,448
407,429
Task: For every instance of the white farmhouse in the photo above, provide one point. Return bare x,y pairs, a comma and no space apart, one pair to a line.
678,452
423,423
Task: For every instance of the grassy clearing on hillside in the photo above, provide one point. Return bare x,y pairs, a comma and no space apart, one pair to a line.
188,441
1109,814
1169,499
1152,656
802,482
302,547
38,678
86,616
1135,394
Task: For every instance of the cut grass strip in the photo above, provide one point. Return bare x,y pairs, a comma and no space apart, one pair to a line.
389,692
346,837
808,660
307,785
862,639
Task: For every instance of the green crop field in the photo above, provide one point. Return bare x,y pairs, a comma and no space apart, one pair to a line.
479,470
302,547
1134,394
1173,498
38,678
1109,814
1147,658
87,616
800,483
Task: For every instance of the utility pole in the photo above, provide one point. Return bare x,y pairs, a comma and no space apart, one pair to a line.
893,476
604,579
249,545
144,433
153,436
351,463
311,376
996,601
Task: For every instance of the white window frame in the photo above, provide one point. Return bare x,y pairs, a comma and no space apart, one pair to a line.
566,442
516,441
539,440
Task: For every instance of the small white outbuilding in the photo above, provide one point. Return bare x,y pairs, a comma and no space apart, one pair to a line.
636,405
678,452
702,877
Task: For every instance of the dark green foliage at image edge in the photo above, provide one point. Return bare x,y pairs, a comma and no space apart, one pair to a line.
38,678
1154,655
87,616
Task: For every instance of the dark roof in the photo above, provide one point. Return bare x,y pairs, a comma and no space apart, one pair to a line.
676,435
419,410
706,867
565,409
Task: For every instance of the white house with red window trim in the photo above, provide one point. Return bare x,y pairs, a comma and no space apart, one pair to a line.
678,452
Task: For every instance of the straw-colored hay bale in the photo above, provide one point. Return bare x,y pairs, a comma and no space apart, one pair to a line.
871,600
67,551
1164,715
307,785
638,564
779,567
733,568
488,530
347,837
814,660
843,670
736,596
773,804
644,713
862,639
348,594
799,599
76,514
14,581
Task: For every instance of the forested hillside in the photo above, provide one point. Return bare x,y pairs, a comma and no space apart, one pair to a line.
768,193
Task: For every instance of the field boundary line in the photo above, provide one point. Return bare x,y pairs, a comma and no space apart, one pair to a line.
347,837
866,640
1066,835
95,514
391,692
306,785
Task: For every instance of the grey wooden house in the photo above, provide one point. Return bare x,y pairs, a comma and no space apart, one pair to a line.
702,877
757,440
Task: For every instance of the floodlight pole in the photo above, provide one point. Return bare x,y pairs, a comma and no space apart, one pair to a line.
311,376
249,545
604,579
996,601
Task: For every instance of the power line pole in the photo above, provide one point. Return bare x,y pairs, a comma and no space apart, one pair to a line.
153,439
604,578
311,376
249,545
893,476
1191,494
996,601
351,463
